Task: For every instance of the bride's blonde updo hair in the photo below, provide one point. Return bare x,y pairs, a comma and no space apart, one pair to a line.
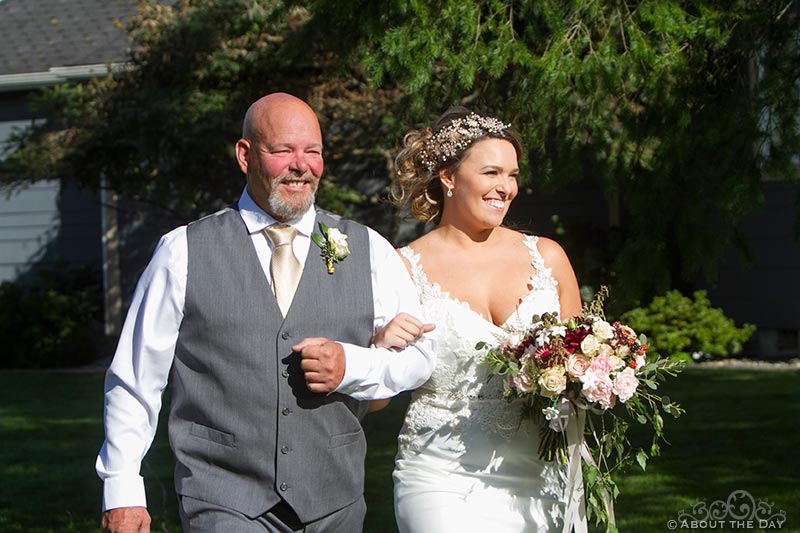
427,152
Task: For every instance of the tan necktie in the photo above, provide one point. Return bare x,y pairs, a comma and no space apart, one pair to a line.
285,267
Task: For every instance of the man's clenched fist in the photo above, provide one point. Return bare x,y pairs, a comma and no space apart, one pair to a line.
322,362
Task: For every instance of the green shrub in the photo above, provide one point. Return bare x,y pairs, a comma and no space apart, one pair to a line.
54,320
677,326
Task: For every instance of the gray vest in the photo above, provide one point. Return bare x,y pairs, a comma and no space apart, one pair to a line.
245,429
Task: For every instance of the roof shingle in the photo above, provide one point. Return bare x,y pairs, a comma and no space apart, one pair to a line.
40,34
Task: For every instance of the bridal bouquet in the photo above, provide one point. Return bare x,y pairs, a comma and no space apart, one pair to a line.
593,374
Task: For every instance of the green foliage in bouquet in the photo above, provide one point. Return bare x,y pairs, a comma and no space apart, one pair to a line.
599,375
678,326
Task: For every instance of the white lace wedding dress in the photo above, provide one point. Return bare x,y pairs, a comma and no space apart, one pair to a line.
467,459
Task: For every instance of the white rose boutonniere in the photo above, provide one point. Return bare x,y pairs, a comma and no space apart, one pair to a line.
333,244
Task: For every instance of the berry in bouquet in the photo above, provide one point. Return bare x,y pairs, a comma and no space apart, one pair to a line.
585,378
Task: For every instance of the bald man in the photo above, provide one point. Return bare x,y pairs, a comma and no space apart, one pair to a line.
267,353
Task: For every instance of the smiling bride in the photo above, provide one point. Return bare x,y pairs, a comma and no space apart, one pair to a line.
467,459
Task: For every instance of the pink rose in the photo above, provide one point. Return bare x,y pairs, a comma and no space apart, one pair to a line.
577,365
597,387
524,382
625,384
640,361
601,364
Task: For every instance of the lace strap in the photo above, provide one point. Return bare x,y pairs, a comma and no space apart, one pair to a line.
543,276
417,275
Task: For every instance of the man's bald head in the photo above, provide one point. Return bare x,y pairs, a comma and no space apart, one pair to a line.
281,153
272,109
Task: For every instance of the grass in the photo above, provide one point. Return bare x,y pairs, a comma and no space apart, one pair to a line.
739,433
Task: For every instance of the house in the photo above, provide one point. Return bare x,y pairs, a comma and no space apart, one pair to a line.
761,287
45,43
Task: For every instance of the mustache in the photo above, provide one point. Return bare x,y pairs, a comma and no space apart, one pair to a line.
293,176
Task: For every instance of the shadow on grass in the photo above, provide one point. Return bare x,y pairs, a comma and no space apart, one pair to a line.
739,433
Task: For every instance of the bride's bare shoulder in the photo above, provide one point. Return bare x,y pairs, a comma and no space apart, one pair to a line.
511,239
420,246
551,251
425,243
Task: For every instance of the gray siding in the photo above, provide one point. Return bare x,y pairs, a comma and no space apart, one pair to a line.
46,223
765,289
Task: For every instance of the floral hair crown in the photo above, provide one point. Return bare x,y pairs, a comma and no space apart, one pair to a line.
457,136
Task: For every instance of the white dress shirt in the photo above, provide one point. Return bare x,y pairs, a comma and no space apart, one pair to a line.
140,369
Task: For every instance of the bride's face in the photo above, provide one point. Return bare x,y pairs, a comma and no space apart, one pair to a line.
483,184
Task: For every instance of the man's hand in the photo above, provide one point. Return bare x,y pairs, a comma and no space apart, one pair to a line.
401,331
126,520
323,363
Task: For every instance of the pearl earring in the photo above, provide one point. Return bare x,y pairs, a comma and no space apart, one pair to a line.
449,192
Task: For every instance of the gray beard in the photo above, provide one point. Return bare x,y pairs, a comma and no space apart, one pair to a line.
283,211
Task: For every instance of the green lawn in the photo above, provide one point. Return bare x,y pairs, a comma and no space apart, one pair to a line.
739,433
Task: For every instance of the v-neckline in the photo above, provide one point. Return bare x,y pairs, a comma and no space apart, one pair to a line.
445,295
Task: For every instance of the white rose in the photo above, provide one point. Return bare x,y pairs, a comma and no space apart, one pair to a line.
553,381
338,242
603,330
615,362
590,345
605,349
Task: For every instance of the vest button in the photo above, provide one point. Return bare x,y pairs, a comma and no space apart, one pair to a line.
285,335
285,450
284,487
286,411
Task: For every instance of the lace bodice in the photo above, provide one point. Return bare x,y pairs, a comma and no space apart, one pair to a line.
459,404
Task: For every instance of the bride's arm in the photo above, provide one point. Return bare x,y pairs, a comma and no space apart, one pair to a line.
402,330
568,292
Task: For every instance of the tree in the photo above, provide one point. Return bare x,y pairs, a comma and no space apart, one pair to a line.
163,130
675,108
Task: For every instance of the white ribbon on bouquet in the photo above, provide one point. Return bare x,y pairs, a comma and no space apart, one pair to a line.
572,421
